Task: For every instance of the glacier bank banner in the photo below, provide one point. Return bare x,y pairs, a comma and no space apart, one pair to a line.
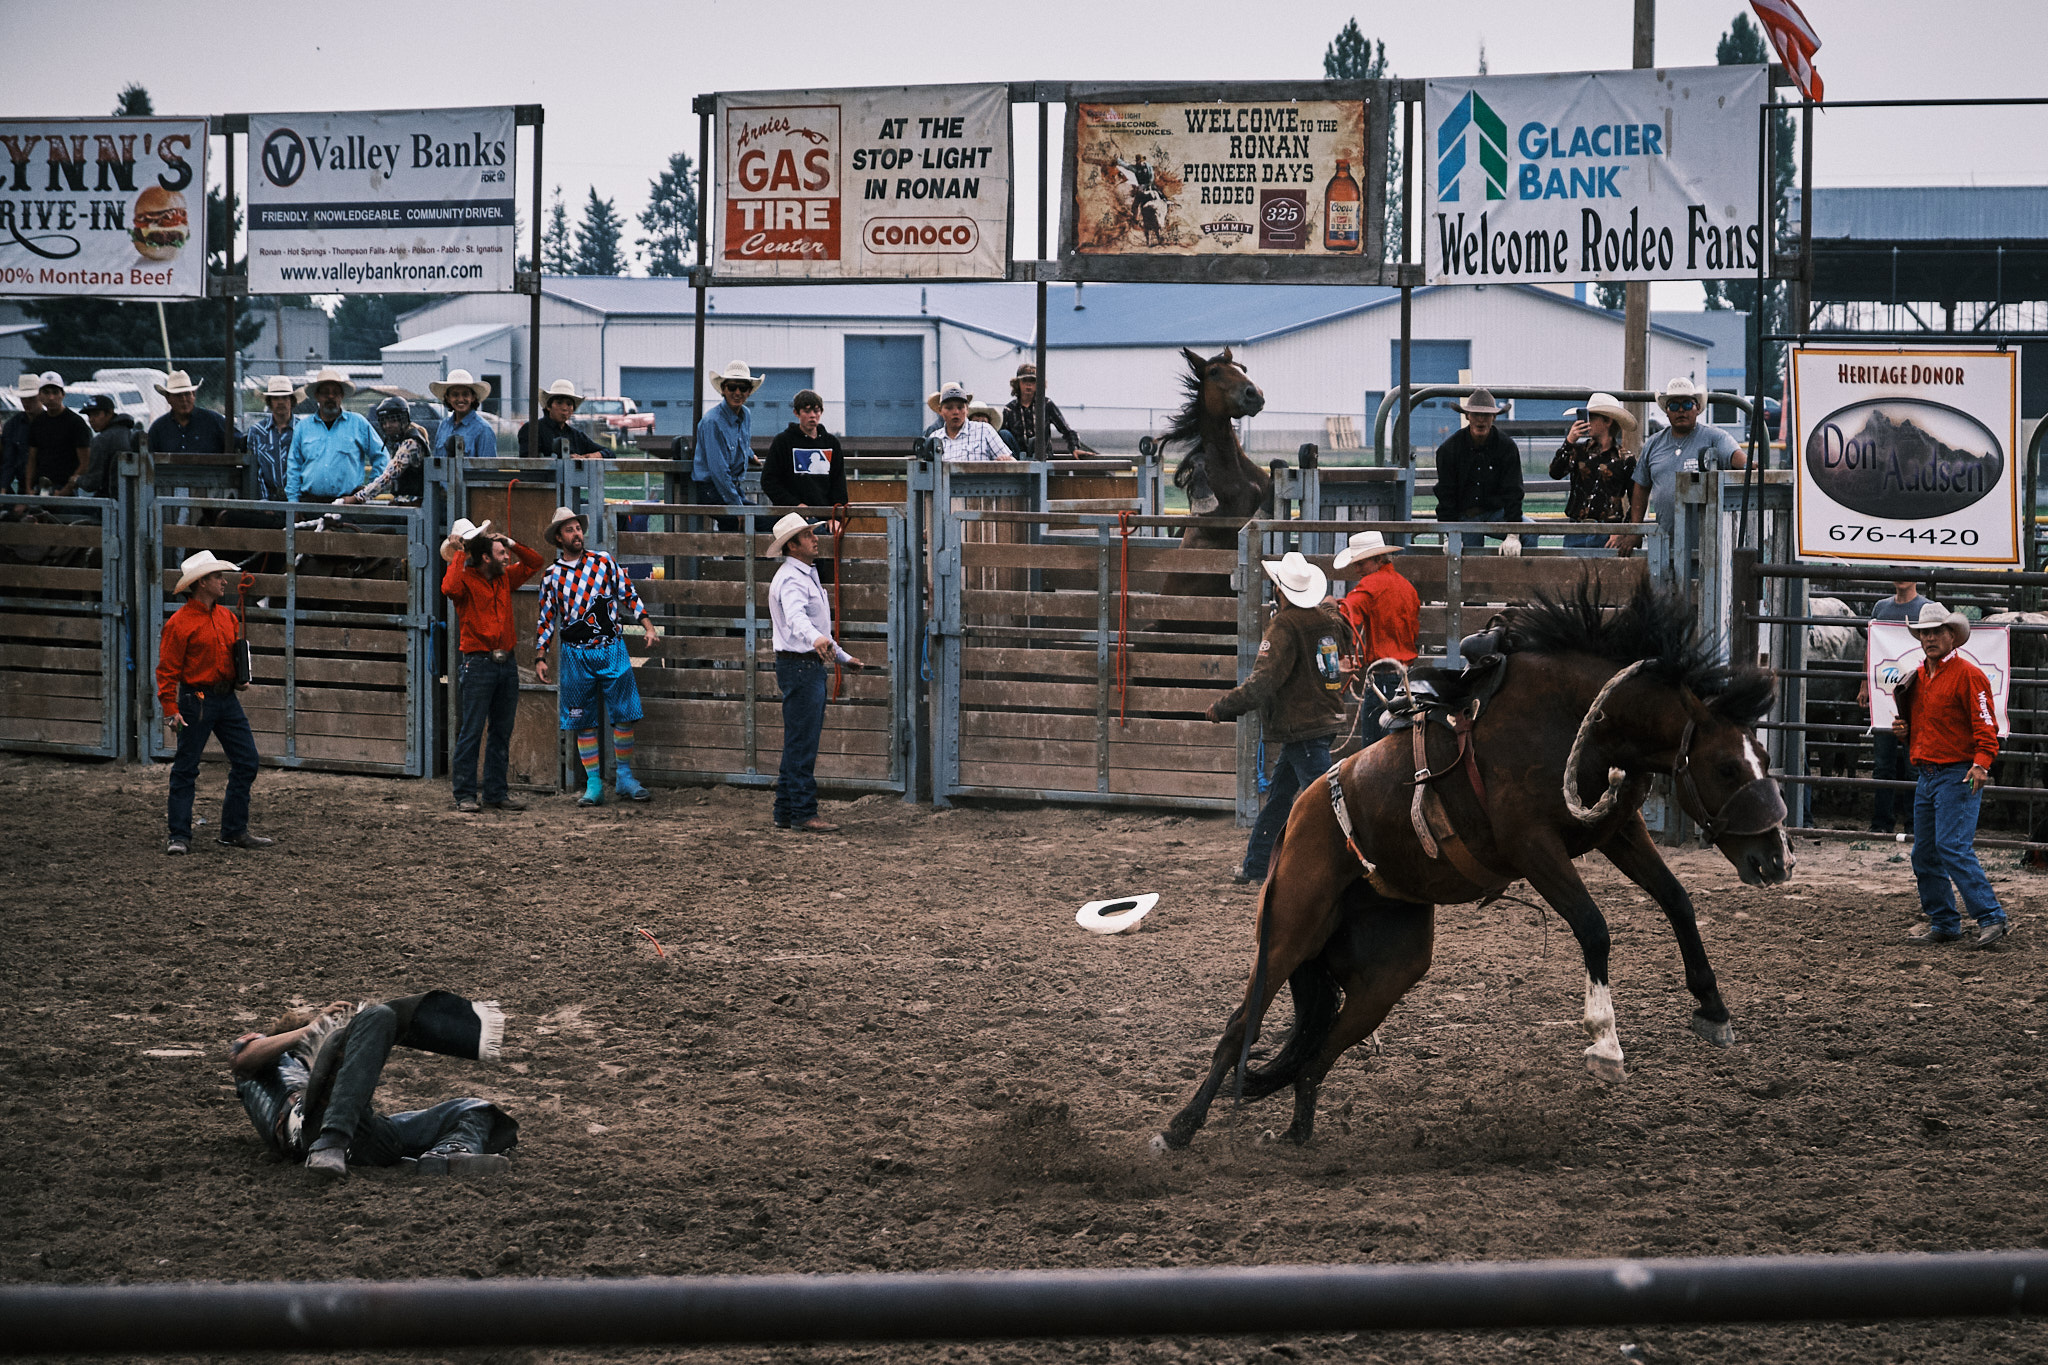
400,202
1596,175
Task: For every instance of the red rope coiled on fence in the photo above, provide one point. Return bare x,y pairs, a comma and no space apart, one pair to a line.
1124,527
841,514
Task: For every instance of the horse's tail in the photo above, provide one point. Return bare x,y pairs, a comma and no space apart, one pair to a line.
1316,1005
1254,1005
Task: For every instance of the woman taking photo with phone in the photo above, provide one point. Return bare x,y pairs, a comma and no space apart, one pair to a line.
1600,468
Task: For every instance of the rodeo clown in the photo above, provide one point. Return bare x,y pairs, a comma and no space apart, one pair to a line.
585,594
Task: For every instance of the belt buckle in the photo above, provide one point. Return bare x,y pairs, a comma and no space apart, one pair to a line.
499,656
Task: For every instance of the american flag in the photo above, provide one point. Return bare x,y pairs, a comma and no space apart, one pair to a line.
1795,41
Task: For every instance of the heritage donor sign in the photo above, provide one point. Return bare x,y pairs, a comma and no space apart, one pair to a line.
110,207
898,182
1906,456
1599,175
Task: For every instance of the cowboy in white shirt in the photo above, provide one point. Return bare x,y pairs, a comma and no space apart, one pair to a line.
802,618
962,439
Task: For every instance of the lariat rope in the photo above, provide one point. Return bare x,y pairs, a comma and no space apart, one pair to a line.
1601,809
841,514
1124,527
508,505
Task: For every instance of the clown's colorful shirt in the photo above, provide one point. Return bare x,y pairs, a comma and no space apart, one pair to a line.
587,598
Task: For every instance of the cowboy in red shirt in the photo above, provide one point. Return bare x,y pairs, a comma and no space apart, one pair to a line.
484,570
1947,717
1385,615
196,686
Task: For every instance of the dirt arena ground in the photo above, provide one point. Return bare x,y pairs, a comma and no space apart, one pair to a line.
893,1049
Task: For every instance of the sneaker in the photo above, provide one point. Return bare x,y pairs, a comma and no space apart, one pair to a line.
1928,934
506,803
329,1163
178,846
463,1165
468,805
630,788
245,840
1241,878
818,824
1991,933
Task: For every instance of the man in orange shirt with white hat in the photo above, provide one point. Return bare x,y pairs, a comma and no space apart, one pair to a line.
196,684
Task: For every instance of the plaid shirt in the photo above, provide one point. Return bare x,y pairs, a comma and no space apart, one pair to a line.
271,450
572,591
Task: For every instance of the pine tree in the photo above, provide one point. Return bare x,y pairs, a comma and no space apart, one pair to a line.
1744,45
670,219
133,102
1611,294
1351,56
557,255
598,238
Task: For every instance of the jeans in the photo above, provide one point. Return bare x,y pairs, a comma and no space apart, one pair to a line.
1887,762
1944,826
707,494
374,1139
489,692
802,680
1591,542
1300,763
218,713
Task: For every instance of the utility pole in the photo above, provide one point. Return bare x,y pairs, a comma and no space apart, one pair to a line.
1635,316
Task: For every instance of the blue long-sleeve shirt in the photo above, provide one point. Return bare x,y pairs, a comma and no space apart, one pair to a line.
328,462
725,442
472,433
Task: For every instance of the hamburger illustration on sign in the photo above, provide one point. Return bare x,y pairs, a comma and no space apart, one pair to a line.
161,226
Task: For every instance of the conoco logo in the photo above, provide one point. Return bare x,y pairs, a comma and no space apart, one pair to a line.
920,236
284,158
1903,458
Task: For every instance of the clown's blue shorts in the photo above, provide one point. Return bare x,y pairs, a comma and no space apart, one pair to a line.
598,686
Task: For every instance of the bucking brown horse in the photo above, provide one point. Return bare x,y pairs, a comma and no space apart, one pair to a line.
1534,759
1220,480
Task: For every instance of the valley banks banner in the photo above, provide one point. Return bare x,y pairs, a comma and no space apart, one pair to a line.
1907,456
112,207
897,183
403,202
1600,175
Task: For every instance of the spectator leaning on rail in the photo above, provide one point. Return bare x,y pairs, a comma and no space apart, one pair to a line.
14,442
1297,687
196,686
801,616
187,429
269,437
404,476
1947,718
114,435
586,596
1479,470
463,431
1687,443
958,438
333,450
59,441
1600,468
1020,417
554,430
725,443
1887,754
484,569
806,465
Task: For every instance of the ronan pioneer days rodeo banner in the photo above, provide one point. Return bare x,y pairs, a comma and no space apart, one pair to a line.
901,182
1602,175
114,207
1906,457
403,202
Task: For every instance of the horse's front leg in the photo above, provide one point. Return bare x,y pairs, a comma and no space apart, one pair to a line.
1631,851
1550,871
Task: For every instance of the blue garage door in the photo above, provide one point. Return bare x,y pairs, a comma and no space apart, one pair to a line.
770,403
664,392
1431,362
885,386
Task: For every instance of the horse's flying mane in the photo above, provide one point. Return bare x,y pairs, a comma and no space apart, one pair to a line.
1186,425
1653,625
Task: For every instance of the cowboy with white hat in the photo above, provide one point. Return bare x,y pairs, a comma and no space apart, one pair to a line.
197,677
334,451
187,429
1686,444
1479,470
958,437
554,434
588,598
1948,719
801,614
1020,416
14,436
463,431
725,443
1600,468
269,437
1383,608
485,568
1297,687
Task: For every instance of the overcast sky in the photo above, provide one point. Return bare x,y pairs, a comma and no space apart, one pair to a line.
617,76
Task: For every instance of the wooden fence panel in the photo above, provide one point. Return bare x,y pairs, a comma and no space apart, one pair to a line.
63,681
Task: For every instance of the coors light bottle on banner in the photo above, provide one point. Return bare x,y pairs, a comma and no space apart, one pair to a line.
1343,211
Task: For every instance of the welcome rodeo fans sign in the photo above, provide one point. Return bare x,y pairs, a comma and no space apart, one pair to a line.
106,206
902,182
407,201
1602,175
1906,456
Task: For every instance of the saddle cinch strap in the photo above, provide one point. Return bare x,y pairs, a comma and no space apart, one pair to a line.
1433,828
1342,810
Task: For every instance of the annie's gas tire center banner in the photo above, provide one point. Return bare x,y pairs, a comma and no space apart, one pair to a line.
898,182
1906,456
1597,175
109,207
399,202
1892,654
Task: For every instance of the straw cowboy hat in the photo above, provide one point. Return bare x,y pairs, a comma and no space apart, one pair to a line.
330,375
736,373
1299,581
1025,371
563,516
561,388
788,529
1364,545
176,382
1608,406
1934,616
1116,916
1480,400
27,385
457,379
278,386
466,530
1679,388
950,390
199,566
994,414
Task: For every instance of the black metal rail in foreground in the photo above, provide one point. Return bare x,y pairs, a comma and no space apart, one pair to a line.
358,1315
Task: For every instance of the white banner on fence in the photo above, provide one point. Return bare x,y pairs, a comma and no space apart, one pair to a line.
114,207
1592,175
900,182
1893,654
1907,456
400,202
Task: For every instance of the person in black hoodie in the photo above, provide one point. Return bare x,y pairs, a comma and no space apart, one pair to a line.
806,467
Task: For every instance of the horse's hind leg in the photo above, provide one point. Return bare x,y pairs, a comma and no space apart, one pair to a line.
1382,948
1631,851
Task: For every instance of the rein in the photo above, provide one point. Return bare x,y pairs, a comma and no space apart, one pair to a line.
1609,799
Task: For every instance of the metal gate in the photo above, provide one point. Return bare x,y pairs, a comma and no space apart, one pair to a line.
65,674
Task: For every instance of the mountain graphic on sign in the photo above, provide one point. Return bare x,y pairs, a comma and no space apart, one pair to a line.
1878,457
